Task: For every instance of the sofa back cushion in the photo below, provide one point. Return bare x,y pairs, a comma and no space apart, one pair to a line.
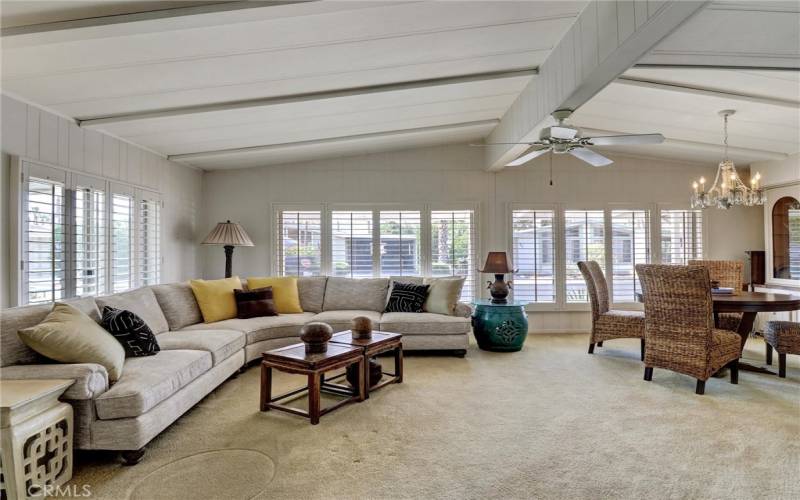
178,304
12,350
312,292
143,303
349,294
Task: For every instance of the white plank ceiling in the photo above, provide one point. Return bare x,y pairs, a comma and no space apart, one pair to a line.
166,83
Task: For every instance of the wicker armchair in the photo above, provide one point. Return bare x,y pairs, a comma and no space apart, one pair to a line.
729,274
784,337
679,328
608,324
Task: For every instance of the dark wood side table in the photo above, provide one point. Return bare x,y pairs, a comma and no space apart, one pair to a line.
293,359
379,343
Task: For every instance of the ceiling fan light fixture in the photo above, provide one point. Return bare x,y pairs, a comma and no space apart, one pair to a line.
728,189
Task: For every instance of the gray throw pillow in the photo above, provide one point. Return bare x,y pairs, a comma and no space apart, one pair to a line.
443,294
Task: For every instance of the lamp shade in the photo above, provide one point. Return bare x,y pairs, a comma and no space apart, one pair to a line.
229,234
497,263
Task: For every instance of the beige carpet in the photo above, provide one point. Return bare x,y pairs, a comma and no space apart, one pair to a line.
548,422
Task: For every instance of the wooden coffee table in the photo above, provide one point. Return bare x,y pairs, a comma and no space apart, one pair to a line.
379,343
293,359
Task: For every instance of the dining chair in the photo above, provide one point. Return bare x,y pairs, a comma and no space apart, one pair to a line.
608,324
784,337
679,329
729,275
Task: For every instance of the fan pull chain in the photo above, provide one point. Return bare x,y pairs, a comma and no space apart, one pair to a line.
551,167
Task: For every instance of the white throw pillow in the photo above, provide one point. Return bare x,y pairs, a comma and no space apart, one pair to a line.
443,294
70,336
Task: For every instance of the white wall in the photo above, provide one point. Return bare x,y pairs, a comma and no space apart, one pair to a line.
779,172
36,134
455,174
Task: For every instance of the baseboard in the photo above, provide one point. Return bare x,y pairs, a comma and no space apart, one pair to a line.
553,331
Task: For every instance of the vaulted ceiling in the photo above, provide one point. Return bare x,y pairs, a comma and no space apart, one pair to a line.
237,84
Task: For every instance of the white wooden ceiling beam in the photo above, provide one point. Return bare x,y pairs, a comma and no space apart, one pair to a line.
264,102
195,16
606,39
685,89
329,140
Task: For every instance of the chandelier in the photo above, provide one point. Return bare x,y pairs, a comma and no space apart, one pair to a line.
728,189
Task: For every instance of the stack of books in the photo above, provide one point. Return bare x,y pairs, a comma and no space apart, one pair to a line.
722,291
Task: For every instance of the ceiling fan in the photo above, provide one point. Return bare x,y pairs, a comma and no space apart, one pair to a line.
564,138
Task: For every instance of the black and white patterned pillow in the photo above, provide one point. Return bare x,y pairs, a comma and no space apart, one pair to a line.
131,331
407,297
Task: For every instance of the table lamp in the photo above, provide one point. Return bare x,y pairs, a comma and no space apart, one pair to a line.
497,264
230,234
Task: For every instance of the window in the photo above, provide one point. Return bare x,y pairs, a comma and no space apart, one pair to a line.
630,245
681,236
351,243
149,246
400,243
122,277
89,237
532,254
452,247
299,237
584,234
44,245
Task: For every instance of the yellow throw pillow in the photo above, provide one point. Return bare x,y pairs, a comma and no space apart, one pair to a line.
284,292
69,335
215,298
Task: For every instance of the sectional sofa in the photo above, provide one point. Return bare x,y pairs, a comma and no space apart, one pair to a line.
197,357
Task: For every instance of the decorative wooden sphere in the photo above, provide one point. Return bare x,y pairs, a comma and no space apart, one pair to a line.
316,336
362,327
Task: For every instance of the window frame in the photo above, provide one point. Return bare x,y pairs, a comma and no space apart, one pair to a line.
326,212
22,168
558,252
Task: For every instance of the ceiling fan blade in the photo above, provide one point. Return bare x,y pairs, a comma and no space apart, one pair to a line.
590,157
530,155
624,140
563,132
505,143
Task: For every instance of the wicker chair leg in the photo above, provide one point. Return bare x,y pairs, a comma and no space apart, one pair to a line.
642,349
648,373
782,364
769,354
734,367
701,387
591,348
599,344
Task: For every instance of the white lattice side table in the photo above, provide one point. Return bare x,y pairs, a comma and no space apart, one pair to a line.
36,441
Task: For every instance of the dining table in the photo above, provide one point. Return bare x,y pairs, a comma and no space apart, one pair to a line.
749,304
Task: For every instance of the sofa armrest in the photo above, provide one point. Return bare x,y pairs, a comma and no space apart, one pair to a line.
91,379
463,310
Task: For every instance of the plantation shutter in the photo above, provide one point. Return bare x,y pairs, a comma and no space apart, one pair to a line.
351,243
584,238
453,247
630,245
533,255
44,234
681,236
298,237
149,239
400,243
89,235
122,239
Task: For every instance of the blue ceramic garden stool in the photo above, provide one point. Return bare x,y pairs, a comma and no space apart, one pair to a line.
500,327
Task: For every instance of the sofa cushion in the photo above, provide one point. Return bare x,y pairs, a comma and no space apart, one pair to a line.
178,304
68,335
285,292
141,301
149,380
263,328
215,298
312,292
342,320
12,350
355,294
220,343
443,294
424,324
